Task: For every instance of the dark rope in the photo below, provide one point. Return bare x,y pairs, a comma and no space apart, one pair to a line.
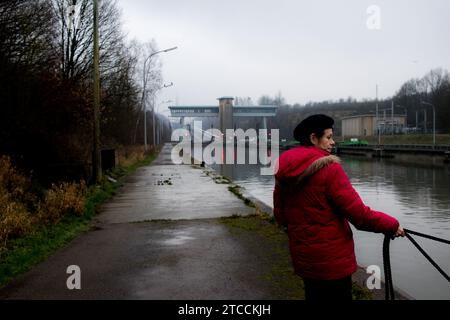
426,236
428,257
389,287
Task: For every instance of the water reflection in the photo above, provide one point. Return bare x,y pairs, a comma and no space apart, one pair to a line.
418,190
418,196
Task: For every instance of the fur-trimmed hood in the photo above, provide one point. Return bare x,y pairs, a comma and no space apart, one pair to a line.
314,198
297,165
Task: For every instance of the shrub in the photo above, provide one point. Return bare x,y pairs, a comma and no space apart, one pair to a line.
15,221
16,185
63,199
15,201
131,154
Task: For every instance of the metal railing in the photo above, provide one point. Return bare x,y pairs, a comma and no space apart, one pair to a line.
400,147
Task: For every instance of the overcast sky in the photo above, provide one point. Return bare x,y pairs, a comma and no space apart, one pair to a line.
308,50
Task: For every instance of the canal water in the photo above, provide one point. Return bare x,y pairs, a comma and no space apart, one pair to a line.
418,196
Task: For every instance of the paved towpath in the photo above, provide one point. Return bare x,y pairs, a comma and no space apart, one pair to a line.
157,239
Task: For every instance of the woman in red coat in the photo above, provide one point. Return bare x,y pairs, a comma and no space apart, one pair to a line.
315,200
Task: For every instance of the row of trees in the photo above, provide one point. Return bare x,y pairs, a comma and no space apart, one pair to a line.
433,87
46,108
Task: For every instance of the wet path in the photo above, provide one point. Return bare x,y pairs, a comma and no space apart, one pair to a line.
171,192
150,260
128,256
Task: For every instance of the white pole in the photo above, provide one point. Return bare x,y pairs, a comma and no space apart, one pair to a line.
425,120
376,120
144,89
144,92
153,124
434,120
417,120
145,127
392,117
434,127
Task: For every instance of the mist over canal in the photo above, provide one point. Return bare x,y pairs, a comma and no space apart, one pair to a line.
418,196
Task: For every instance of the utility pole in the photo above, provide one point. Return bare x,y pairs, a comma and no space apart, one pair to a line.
377,125
417,120
153,122
155,107
425,121
96,161
392,117
434,120
144,77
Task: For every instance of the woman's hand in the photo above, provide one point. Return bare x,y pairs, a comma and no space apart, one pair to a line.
400,232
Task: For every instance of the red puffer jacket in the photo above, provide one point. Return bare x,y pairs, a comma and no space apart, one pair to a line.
314,198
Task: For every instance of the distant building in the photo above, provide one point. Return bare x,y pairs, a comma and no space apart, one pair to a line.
365,125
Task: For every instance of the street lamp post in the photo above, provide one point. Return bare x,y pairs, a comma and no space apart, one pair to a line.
434,120
153,113
144,93
392,117
376,118
161,124
406,114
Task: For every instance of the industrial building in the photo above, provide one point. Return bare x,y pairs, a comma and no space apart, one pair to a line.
367,125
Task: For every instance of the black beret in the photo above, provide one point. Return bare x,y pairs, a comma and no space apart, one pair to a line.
314,123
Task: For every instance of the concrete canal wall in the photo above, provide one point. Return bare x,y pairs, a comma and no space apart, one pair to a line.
417,154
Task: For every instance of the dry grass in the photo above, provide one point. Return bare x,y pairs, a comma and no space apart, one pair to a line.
14,184
131,154
15,220
21,210
63,199
15,200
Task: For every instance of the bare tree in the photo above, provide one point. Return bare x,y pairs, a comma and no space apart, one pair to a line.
265,100
436,79
26,36
150,76
45,74
243,101
277,100
121,98
75,34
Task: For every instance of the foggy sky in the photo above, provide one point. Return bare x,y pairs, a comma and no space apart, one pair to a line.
308,50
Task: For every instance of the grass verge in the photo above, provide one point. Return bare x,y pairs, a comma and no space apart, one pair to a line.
25,252
282,278
236,190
